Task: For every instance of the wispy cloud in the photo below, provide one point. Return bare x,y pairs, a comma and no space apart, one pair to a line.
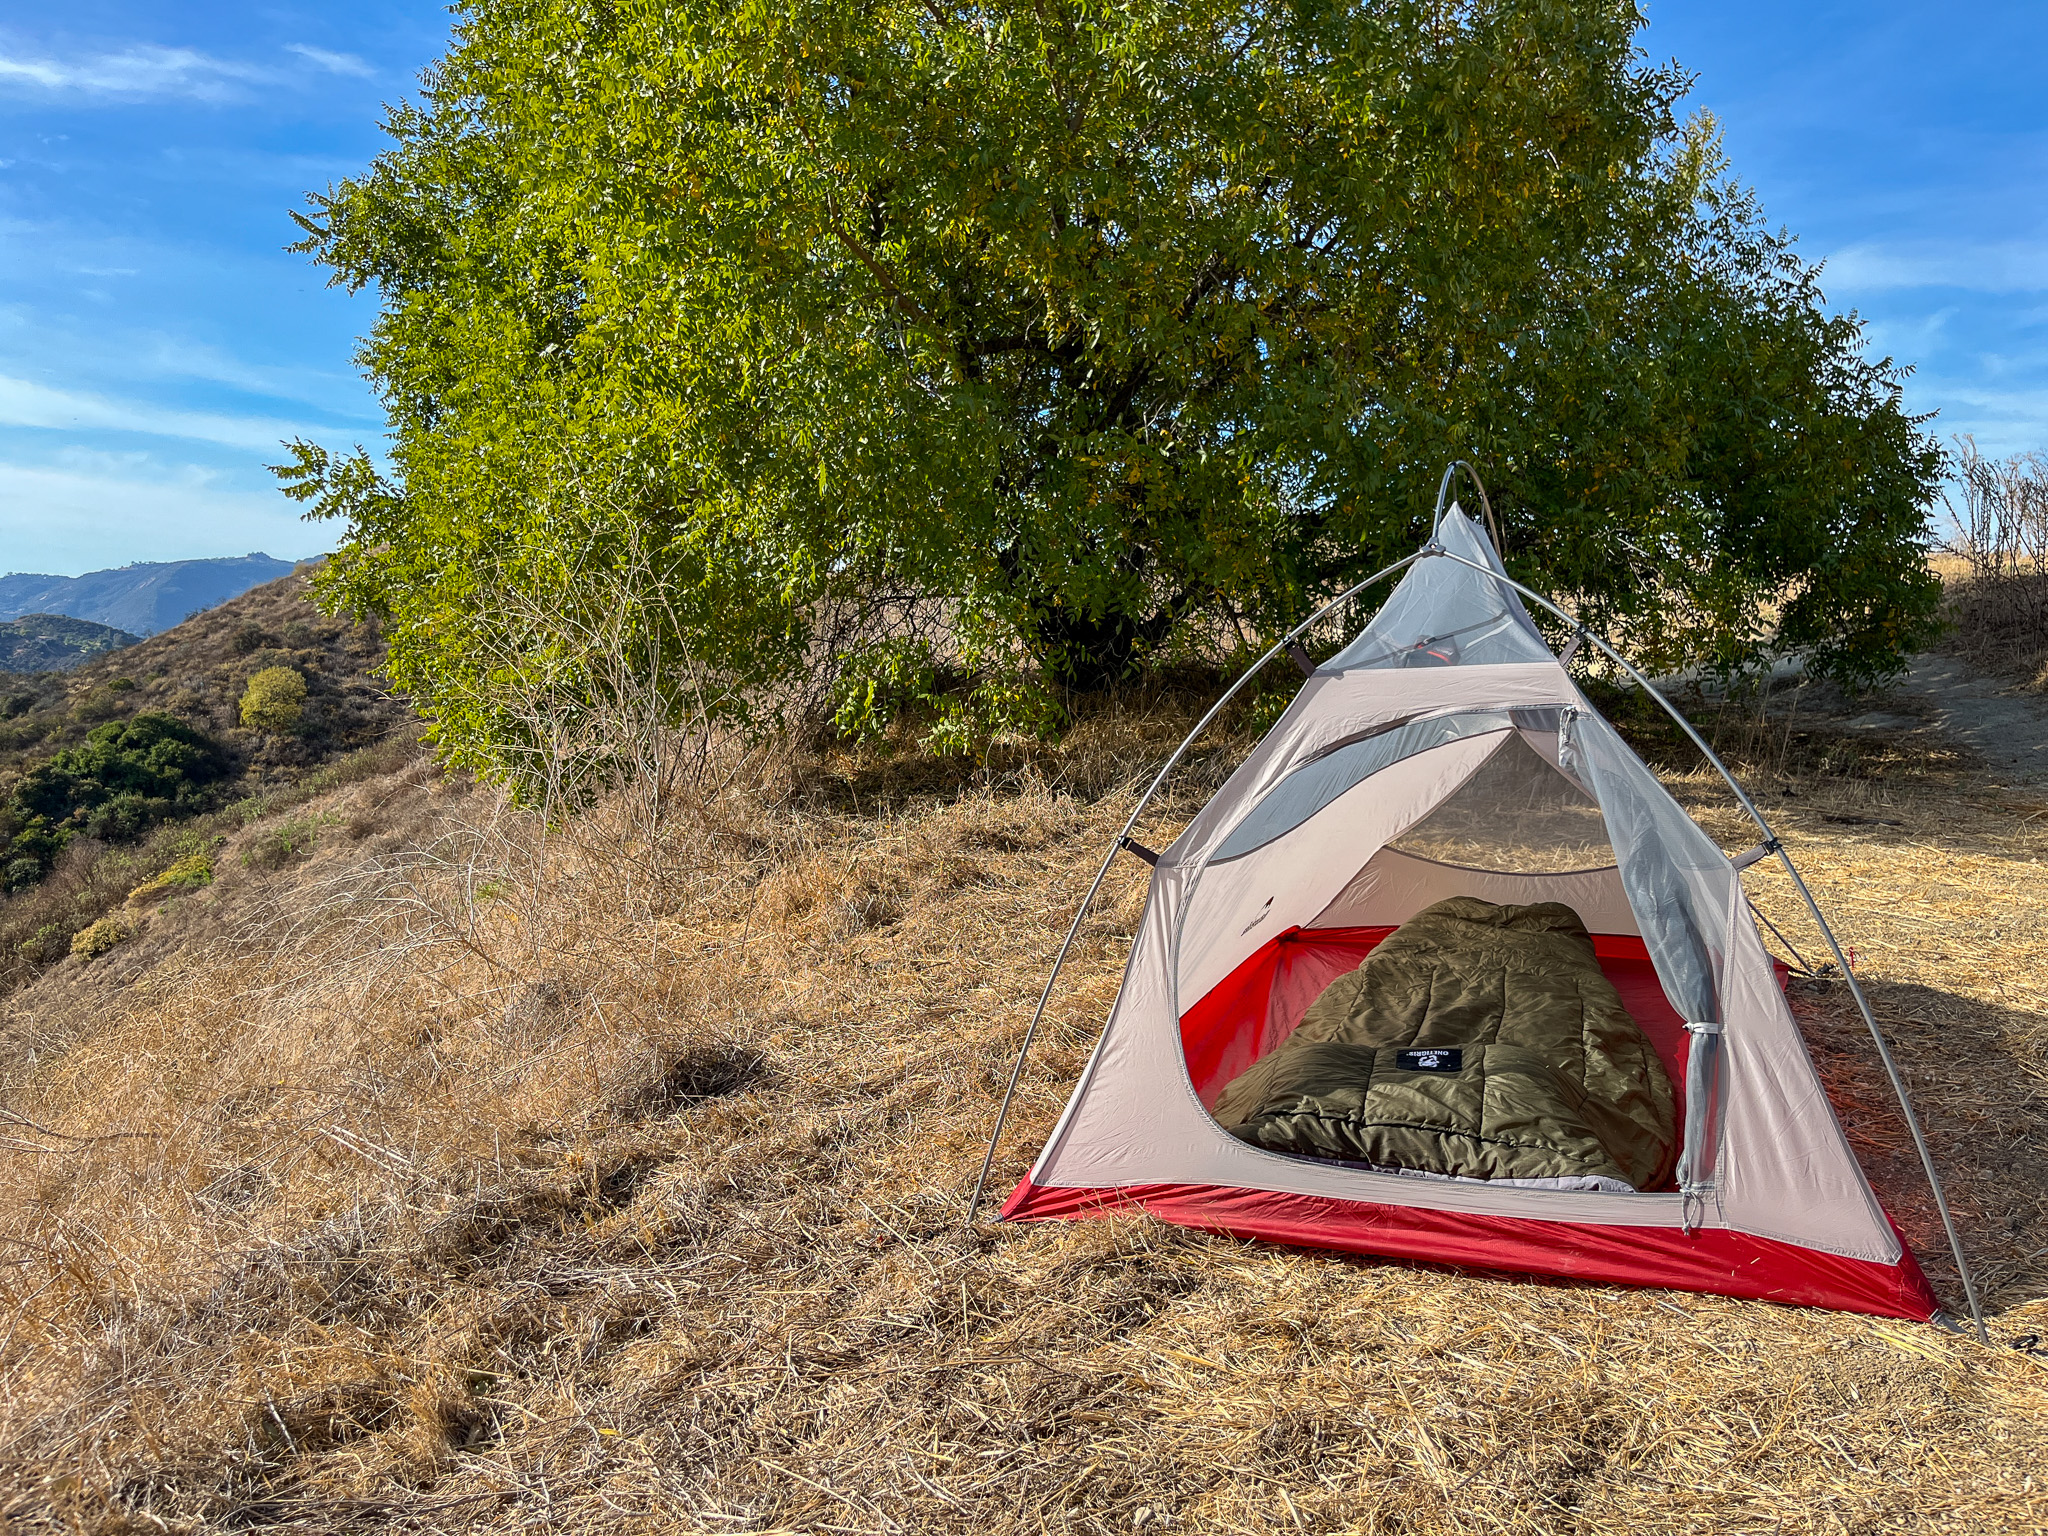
24,403
333,394
149,71
145,70
2012,266
333,63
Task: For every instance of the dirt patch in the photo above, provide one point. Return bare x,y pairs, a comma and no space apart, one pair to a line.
2002,721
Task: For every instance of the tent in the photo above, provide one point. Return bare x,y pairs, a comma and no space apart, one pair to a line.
1446,751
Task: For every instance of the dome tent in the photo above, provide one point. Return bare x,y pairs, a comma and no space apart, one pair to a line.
1445,751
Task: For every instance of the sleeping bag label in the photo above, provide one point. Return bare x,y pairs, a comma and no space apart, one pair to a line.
1439,1058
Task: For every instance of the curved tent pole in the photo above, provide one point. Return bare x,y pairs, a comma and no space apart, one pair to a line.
1771,842
1443,492
1038,1013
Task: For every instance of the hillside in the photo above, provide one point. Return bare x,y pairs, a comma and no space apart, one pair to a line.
142,599
195,674
51,642
430,1170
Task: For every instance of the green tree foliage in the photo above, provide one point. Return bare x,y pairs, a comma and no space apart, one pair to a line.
1067,323
123,779
275,700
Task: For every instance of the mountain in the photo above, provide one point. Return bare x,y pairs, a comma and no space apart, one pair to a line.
198,671
141,599
184,686
53,642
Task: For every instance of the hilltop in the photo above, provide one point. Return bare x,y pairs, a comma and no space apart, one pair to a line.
429,1168
194,676
53,642
144,598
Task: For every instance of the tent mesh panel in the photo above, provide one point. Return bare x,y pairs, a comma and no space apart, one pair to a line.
1516,815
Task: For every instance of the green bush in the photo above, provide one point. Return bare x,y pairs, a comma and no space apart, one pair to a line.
102,703
248,637
123,779
277,846
91,942
188,874
275,701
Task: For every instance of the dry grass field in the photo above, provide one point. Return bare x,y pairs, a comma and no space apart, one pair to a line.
446,1177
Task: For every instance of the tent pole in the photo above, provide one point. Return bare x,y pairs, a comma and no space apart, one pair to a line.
1800,960
1891,1069
1038,1013
1884,1053
1443,492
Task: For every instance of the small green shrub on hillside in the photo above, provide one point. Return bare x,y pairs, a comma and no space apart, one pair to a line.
101,703
249,637
188,874
91,942
277,846
275,701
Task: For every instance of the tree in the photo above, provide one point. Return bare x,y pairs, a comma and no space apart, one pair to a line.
1084,330
275,700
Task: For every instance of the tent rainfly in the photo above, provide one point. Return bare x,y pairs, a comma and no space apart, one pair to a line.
1446,752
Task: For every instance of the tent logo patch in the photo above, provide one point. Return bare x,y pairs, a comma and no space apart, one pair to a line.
1431,1059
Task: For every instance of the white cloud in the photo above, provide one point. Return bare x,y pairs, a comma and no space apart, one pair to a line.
335,394
148,70
2010,266
333,63
24,403
142,71
66,519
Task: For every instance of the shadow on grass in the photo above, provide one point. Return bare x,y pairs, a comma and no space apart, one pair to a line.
1974,1071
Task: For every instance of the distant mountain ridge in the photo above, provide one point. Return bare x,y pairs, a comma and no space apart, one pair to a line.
56,642
142,599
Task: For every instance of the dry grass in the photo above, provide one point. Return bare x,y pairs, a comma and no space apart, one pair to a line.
493,1192
1995,568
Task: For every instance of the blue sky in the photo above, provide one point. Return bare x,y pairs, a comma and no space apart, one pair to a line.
1907,146
156,341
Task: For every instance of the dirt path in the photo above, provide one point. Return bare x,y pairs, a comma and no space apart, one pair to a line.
1987,714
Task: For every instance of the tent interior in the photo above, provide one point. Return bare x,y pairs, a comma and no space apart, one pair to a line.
1510,826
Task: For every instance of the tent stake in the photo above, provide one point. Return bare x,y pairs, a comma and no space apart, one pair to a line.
1884,1052
1037,1014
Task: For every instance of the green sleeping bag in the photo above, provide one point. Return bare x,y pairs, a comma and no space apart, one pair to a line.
1477,1041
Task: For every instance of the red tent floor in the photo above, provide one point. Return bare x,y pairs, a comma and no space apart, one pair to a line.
1253,1009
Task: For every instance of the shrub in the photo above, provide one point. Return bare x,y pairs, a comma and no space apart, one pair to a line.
102,703
1999,609
250,637
121,780
277,846
189,873
91,942
275,700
